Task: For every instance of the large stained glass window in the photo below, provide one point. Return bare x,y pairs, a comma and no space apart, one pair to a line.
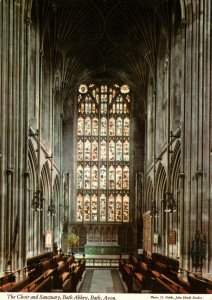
103,153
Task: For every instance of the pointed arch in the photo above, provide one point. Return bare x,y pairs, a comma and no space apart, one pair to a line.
56,190
149,195
46,182
175,189
160,190
160,182
32,164
175,167
108,234
96,234
31,217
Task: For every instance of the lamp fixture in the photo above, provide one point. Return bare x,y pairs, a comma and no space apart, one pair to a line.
51,209
37,201
154,209
170,204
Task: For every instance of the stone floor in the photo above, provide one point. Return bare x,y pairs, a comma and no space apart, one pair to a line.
102,281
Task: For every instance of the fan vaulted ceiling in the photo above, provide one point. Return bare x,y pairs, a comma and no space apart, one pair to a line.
103,38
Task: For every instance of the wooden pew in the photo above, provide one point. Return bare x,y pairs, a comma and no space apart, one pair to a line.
130,275
44,286
126,271
171,286
10,281
77,270
164,271
41,283
17,286
38,277
199,285
143,274
61,274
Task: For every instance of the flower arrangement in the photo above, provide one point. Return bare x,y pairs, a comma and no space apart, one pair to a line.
73,240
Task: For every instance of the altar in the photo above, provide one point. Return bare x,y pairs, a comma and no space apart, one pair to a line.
92,248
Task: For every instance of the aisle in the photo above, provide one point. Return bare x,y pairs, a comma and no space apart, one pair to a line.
102,281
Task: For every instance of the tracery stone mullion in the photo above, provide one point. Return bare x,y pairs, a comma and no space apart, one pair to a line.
23,141
27,194
182,160
188,109
17,192
207,134
9,159
3,114
194,116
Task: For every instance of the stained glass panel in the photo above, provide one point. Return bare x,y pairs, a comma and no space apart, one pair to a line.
111,208
95,126
112,150
126,178
95,150
87,105
103,153
119,178
112,127
119,151
126,208
87,177
126,127
112,174
80,126
94,177
103,150
119,126
79,207
103,126
80,145
87,150
102,207
118,208
103,177
80,177
87,126
81,108
126,150
87,207
94,208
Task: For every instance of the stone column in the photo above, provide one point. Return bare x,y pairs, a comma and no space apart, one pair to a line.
207,137
27,201
9,137
182,160
3,117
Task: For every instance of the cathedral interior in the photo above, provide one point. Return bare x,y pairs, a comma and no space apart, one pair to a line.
106,140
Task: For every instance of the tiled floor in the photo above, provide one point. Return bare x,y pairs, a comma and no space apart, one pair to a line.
102,281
